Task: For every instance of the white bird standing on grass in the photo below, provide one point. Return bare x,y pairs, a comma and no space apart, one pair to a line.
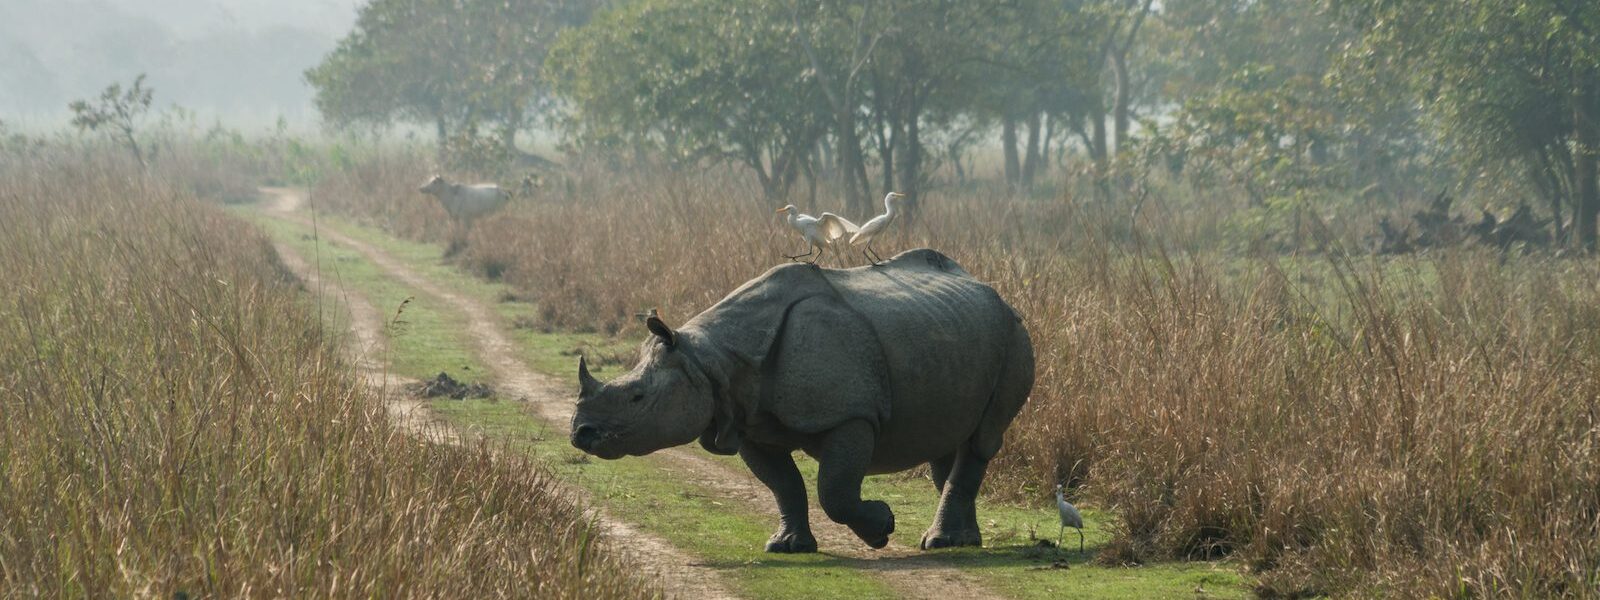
1069,518
819,232
869,230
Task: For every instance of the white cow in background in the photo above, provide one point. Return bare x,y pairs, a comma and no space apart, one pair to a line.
466,202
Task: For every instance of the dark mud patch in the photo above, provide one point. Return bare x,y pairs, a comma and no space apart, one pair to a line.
445,386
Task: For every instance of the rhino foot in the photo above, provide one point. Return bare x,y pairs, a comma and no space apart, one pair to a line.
875,529
792,542
935,538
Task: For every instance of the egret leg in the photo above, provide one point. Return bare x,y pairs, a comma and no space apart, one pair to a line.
871,255
877,261
820,251
797,257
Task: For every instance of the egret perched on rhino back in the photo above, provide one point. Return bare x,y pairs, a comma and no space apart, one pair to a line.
871,229
867,370
466,202
819,232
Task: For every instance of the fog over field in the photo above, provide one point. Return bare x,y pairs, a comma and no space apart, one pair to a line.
240,60
796,299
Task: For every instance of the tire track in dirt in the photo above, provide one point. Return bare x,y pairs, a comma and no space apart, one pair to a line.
912,573
678,572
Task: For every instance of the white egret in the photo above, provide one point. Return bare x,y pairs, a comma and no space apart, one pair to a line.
869,230
819,232
1069,518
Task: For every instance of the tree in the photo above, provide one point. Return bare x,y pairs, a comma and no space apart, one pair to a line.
117,112
1038,72
389,68
839,39
1257,137
1516,83
453,64
1256,111
871,80
715,80
926,65
1126,18
925,62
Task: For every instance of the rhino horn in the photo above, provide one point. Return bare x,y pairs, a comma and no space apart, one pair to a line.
587,384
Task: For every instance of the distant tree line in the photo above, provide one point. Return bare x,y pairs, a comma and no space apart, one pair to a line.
466,68
1289,103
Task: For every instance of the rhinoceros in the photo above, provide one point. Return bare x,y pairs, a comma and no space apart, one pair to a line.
466,202
867,370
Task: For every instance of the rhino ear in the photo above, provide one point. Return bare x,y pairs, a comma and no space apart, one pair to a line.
659,327
587,384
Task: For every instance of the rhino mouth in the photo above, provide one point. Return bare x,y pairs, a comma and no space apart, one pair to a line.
596,441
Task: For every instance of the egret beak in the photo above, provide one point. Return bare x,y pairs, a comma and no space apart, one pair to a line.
782,210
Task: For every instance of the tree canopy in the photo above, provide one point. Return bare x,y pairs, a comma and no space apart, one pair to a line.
765,84
1515,83
453,64
1288,103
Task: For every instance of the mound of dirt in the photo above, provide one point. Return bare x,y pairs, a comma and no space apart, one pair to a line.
447,386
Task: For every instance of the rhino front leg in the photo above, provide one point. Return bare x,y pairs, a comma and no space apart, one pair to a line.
956,523
939,469
776,469
842,460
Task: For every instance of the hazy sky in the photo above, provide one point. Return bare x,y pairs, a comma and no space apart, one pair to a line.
237,59
197,17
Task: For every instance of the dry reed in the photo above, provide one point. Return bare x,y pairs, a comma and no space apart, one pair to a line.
1416,426
177,423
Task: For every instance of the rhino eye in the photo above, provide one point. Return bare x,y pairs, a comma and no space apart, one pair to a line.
638,398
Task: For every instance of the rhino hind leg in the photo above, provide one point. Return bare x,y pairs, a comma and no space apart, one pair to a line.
776,469
842,459
956,523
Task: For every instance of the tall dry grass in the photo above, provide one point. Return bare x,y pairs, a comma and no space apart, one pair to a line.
176,423
1413,427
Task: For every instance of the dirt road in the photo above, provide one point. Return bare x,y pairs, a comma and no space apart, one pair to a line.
679,573
911,573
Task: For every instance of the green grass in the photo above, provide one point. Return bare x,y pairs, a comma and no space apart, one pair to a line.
1012,562
695,519
727,536
552,353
